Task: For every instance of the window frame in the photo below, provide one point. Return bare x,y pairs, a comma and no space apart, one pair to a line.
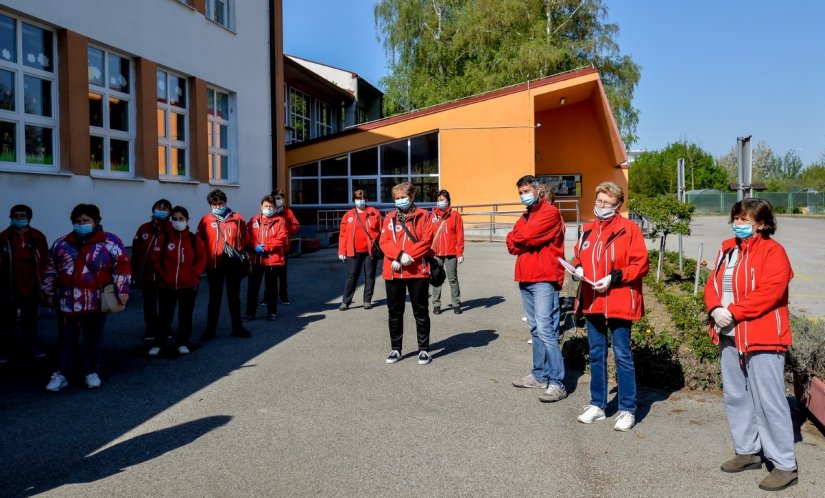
322,128
293,115
167,142
228,12
232,176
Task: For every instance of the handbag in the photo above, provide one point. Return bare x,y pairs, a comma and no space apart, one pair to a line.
233,259
109,300
437,273
376,253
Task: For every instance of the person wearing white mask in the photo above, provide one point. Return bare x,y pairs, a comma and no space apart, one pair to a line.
144,243
267,241
360,228
283,212
448,248
610,252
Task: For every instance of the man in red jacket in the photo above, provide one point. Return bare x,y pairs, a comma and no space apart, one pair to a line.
537,239
144,245
267,241
23,257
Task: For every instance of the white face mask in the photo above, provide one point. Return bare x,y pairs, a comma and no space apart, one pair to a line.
179,225
279,202
604,213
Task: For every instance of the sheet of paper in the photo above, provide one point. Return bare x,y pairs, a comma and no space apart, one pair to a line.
572,270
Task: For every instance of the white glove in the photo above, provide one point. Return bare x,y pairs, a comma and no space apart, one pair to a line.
603,284
722,317
396,266
578,274
460,259
406,259
342,257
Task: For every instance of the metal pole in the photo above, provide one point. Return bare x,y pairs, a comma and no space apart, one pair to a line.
680,181
698,268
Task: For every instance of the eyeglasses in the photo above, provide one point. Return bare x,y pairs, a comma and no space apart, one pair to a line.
605,204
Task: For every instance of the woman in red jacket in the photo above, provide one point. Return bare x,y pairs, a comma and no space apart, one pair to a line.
179,262
406,237
359,229
267,241
747,299
448,246
611,253
144,244
292,227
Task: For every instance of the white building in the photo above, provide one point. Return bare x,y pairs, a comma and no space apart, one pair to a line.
122,102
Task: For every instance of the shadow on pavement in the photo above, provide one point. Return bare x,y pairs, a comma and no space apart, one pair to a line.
477,339
485,302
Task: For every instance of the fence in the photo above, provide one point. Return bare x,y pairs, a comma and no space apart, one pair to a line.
782,202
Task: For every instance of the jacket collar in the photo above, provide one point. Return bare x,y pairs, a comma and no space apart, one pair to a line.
97,236
443,213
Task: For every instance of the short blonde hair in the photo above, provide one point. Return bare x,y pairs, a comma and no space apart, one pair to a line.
611,189
404,187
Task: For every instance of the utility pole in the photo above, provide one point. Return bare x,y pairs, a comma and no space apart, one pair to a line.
680,195
744,166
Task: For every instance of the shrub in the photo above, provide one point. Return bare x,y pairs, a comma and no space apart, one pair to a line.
807,355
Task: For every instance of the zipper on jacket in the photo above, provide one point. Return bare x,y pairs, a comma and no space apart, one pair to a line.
778,322
180,259
753,279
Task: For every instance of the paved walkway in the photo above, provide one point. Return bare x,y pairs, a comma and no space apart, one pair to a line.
308,407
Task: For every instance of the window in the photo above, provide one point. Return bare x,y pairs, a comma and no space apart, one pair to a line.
220,11
28,86
323,119
173,137
361,116
218,129
299,115
111,111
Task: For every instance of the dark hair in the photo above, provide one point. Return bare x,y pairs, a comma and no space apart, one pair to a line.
89,210
268,198
279,192
759,209
162,203
445,194
216,196
179,209
21,207
527,180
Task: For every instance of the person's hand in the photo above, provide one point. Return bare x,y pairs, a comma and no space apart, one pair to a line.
259,248
722,317
396,266
603,284
460,259
342,257
406,259
123,298
578,274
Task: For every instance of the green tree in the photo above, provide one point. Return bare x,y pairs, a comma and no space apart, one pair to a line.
814,176
442,50
666,215
654,173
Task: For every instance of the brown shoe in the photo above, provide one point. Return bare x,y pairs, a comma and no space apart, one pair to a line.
742,462
778,480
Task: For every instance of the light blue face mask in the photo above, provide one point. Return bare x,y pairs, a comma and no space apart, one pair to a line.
403,203
19,223
160,214
742,231
360,203
219,211
268,212
528,199
442,204
83,229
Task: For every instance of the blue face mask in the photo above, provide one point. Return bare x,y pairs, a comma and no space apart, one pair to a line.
219,211
403,203
83,229
742,231
268,212
442,204
160,214
19,223
528,199
360,203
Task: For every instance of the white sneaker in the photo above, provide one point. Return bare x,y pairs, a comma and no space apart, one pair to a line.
530,341
183,350
394,357
591,414
154,351
625,421
57,382
92,381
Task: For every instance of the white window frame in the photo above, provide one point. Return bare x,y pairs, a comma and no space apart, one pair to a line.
232,174
322,128
227,8
18,116
166,141
294,116
105,132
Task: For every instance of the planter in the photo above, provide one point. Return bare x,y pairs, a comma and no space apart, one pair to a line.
810,391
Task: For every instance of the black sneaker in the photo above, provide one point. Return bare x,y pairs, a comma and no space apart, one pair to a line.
367,306
272,317
343,307
243,333
394,356
436,310
284,301
457,310
424,358
246,317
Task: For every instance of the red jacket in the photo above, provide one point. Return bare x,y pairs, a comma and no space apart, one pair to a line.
448,233
371,220
394,240
292,225
233,228
272,233
143,246
23,260
760,294
538,239
615,247
179,260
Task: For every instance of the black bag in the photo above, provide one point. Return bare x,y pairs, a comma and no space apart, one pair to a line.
233,260
437,273
376,253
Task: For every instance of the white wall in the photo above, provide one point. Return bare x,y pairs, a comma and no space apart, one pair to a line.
180,39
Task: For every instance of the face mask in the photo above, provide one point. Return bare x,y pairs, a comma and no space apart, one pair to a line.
179,225
442,204
83,229
604,213
269,213
528,199
279,202
742,231
19,223
219,211
403,203
360,203
160,214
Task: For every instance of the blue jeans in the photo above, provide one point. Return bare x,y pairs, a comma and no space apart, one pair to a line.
597,328
541,307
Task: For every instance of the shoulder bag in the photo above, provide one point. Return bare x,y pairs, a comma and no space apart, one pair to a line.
437,273
234,260
377,253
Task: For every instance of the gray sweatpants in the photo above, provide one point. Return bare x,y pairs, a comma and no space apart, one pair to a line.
450,264
758,413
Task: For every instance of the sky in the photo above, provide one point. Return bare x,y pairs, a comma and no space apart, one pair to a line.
710,70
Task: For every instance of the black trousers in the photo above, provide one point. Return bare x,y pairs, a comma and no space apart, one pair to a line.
149,291
216,279
28,306
270,276
71,327
283,292
397,290
362,261
184,301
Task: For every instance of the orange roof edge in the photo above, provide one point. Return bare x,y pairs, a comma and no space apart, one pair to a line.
617,145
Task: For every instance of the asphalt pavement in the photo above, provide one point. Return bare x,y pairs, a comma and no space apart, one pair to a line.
308,407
